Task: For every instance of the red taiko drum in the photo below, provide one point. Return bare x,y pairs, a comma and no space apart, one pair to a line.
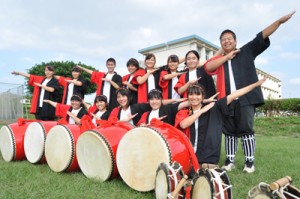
60,148
34,140
12,141
96,150
142,149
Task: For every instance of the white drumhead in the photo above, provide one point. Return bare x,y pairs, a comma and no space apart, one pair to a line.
34,142
140,152
94,156
59,149
161,185
202,188
7,143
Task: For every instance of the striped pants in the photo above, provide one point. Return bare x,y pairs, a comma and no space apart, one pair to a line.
248,146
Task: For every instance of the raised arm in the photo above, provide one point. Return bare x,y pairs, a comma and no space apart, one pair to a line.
21,73
51,102
214,64
275,25
244,90
187,122
143,79
85,69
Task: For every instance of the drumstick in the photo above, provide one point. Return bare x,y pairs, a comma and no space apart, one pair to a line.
179,186
280,183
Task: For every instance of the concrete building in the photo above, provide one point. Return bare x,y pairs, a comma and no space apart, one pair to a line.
271,88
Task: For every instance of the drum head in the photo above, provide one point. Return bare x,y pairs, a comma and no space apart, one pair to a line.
34,142
162,182
202,188
139,153
94,155
7,143
59,148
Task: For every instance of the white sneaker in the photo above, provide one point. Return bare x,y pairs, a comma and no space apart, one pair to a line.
228,167
249,169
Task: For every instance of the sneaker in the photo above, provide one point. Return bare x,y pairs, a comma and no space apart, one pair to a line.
249,167
228,167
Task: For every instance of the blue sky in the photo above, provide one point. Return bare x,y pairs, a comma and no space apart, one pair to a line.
91,31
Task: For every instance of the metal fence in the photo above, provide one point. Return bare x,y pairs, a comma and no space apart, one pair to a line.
11,102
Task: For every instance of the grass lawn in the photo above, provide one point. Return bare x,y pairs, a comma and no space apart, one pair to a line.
277,155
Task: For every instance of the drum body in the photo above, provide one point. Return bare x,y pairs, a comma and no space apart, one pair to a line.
142,149
262,191
60,148
167,178
211,184
96,150
34,140
12,141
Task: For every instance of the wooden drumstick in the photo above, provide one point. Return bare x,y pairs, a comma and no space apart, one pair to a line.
179,186
280,183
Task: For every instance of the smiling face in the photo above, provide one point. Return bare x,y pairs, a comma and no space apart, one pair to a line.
131,69
122,100
155,103
110,66
228,42
195,100
173,65
48,73
75,104
192,61
75,74
101,105
150,63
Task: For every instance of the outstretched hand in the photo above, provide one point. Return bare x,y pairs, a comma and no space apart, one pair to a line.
207,107
286,17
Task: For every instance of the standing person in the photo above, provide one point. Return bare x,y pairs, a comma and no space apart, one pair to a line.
203,124
169,78
234,70
147,78
129,81
128,112
194,74
107,83
70,114
75,86
44,87
98,110
164,110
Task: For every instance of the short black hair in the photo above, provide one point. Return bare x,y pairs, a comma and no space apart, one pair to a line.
76,98
100,98
173,58
111,60
125,92
154,94
228,31
133,62
194,52
197,89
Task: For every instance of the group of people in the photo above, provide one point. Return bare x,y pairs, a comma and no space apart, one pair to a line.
182,98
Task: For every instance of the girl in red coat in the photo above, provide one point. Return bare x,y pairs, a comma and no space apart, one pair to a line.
44,87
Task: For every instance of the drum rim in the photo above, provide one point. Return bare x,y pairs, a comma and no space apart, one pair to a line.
164,167
226,180
12,142
113,161
70,160
72,146
42,155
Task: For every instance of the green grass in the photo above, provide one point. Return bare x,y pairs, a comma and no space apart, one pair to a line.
277,155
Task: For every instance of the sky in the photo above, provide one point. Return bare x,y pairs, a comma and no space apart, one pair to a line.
91,31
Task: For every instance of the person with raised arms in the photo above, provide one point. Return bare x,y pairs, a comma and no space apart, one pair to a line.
236,69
